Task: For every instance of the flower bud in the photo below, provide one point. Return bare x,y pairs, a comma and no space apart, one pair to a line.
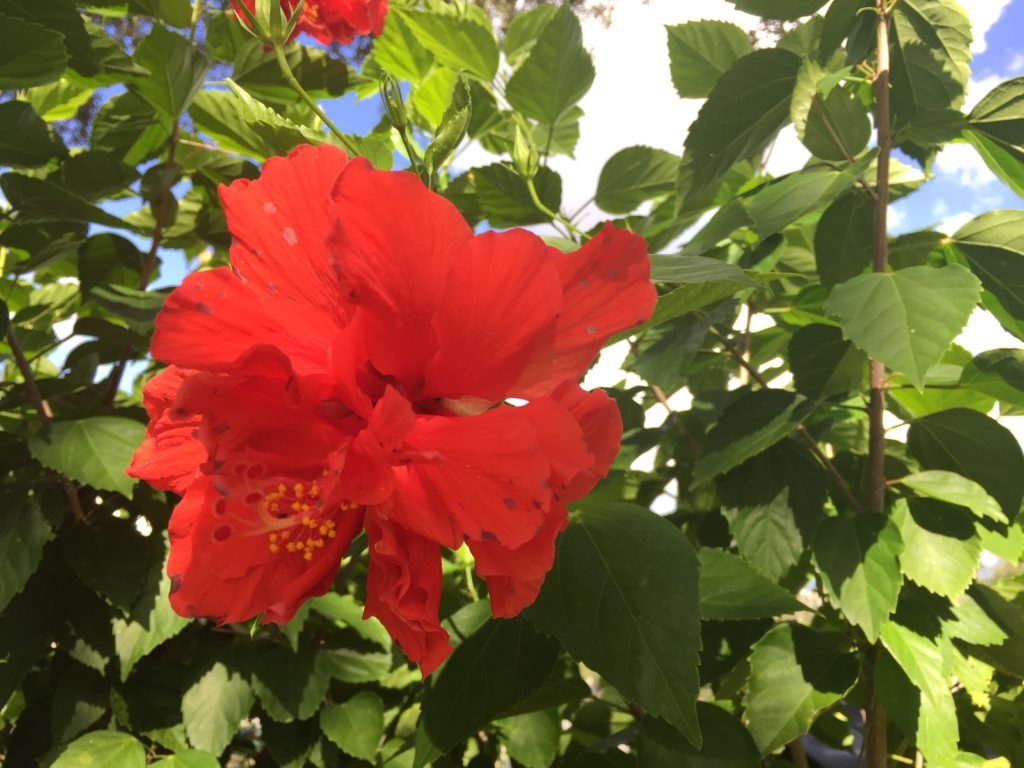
525,158
391,95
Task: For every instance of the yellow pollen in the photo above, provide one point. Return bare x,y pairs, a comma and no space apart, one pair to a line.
274,547
307,556
290,546
299,490
332,533
285,534
314,489
273,537
296,506
323,530
282,488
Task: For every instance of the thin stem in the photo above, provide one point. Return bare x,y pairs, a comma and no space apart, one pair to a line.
44,412
806,436
552,214
659,395
796,751
841,144
286,72
197,12
470,586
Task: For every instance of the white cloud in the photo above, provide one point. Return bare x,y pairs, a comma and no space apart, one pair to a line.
951,224
962,163
1016,66
983,14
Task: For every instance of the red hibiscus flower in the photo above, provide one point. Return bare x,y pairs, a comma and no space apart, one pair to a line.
349,371
333,21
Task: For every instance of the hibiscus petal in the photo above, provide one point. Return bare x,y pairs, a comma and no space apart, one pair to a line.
366,474
502,297
606,289
488,479
601,422
403,590
170,456
393,243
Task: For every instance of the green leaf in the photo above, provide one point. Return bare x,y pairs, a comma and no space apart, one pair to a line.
38,200
785,10
699,52
30,54
489,672
975,446
137,639
731,588
452,128
24,531
906,319
998,373
532,738
823,363
727,744
859,560
930,59
458,42
681,268
749,425
996,131
767,535
830,120
25,140
556,74
505,200
80,698
93,451
127,126
993,244
641,630
188,758
941,546
954,489
176,71
350,666
843,239
59,100
784,201
398,52
213,707
290,686
356,725
633,175
921,661
103,749
524,30
744,111
795,672
345,611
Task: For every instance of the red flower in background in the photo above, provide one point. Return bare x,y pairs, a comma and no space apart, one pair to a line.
349,371
333,21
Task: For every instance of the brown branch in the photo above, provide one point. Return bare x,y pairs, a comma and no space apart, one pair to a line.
806,436
44,412
659,395
796,751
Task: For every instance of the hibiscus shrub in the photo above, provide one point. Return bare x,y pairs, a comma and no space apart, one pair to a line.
333,493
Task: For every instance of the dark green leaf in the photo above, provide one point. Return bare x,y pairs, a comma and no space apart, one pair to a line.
954,489
633,175
998,373
768,535
290,686
30,54
823,363
786,10
830,120
213,707
906,319
795,672
25,140
744,111
131,129
731,588
997,132
505,201
80,699
975,446
176,71
700,52
353,667
356,725
843,239
39,200
727,744
135,639
103,749
641,631
556,74
859,560
994,246
24,531
459,42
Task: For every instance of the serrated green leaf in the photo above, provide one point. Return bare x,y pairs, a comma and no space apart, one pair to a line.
859,560
824,363
727,744
356,725
975,446
30,54
699,52
398,52
353,667
642,632
80,698
459,42
830,120
795,672
135,640
24,531
188,758
213,708
731,589
993,244
941,546
290,686
39,200
843,239
556,73
176,71
103,749
524,30
505,200
767,535
633,175
996,131
344,610
954,489
998,373
532,738
744,111
93,451
906,319
785,10
25,140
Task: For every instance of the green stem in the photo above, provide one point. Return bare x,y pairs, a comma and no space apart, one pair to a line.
552,214
197,11
289,77
470,585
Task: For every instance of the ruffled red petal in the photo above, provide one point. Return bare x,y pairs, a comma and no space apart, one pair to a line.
393,242
502,297
606,288
170,456
403,590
